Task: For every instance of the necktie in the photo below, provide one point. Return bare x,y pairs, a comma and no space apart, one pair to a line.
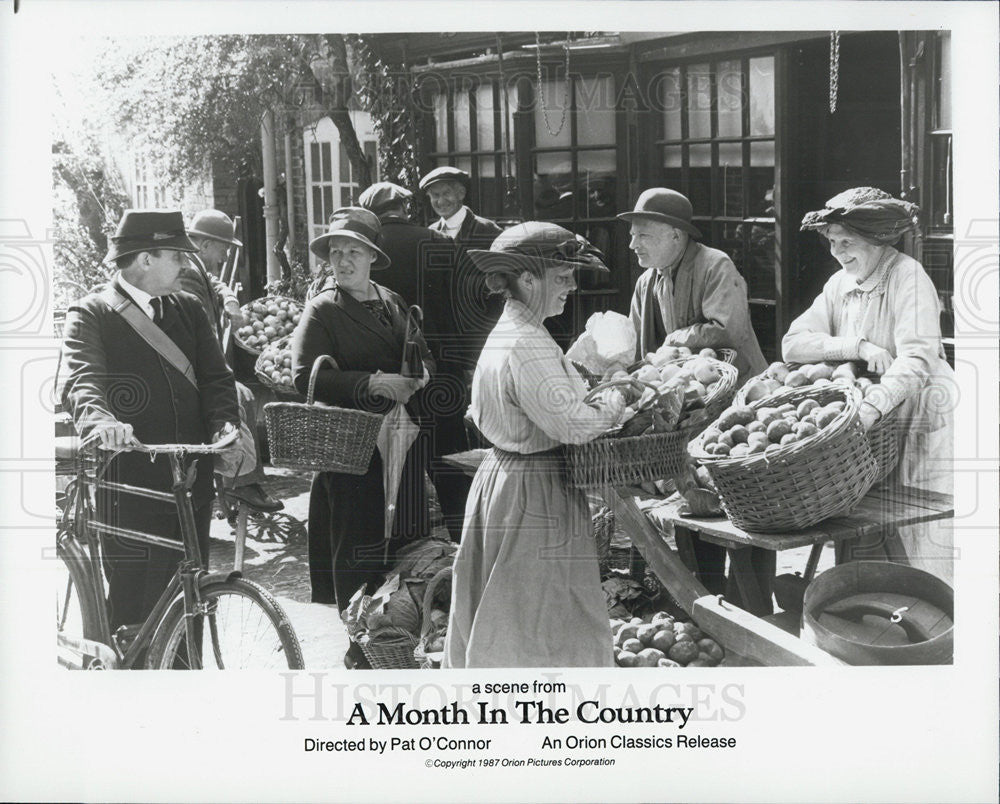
663,288
157,304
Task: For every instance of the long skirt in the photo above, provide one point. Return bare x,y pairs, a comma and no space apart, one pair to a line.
526,590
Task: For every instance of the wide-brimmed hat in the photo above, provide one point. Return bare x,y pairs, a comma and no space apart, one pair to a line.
149,230
446,173
538,245
354,223
872,213
214,225
383,195
665,206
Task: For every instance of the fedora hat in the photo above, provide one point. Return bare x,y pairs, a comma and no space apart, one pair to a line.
382,195
354,223
446,173
665,206
538,245
147,230
214,225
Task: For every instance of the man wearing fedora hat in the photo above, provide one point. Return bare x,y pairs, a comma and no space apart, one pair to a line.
689,295
692,295
422,270
475,311
142,363
213,232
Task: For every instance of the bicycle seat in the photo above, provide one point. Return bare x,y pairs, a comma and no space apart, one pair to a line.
67,448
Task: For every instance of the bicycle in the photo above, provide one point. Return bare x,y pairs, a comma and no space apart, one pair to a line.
246,628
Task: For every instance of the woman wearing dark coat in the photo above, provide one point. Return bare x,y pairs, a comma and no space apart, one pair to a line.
363,327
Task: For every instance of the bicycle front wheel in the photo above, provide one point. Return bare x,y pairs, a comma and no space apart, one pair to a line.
242,628
76,617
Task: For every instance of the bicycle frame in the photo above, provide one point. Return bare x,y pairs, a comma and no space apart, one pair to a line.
186,580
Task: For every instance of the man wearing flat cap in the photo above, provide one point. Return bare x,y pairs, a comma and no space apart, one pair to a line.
141,361
213,233
422,270
692,295
689,295
475,311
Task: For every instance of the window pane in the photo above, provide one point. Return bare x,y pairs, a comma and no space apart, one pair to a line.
549,113
463,163
327,203
490,187
731,175
345,165
672,156
762,95
317,216
327,169
484,118
463,139
441,122
700,179
671,98
553,188
595,162
699,101
314,164
760,271
762,179
730,95
595,111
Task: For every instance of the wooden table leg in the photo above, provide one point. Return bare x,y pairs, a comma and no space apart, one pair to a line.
683,538
741,568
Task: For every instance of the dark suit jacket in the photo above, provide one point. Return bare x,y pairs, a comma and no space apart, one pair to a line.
422,272
335,323
113,374
476,312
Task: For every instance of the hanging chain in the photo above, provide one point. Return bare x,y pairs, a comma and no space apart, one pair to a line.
541,94
834,69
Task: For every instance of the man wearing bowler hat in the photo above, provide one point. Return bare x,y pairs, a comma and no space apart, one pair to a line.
475,311
692,295
213,232
422,270
689,295
142,362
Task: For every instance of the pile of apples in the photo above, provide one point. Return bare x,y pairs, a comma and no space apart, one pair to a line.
742,431
268,319
275,363
783,375
683,387
662,641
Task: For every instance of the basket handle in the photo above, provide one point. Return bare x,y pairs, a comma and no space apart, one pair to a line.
432,585
315,372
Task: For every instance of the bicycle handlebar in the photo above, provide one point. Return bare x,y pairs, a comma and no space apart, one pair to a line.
177,449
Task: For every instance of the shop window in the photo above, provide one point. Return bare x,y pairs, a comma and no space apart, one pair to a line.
716,139
468,133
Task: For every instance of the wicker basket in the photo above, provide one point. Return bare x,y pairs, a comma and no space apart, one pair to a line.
424,660
318,438
396,654
245,309
802,483
609,461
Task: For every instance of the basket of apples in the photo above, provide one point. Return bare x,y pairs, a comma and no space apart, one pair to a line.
666,405
268,319
274,366
786,464
779,378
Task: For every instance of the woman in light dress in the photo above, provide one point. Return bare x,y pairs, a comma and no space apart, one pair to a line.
526,590
882,309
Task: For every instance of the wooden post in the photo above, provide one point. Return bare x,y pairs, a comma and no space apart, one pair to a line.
270,163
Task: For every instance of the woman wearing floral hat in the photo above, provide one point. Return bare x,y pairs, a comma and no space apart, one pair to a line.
882,309
526,589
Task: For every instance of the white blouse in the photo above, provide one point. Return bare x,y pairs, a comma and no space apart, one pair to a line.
526,395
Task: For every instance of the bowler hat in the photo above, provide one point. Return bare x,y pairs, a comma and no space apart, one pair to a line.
383,195
214,225
446,173
539,245
354,223
665,206
149,230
